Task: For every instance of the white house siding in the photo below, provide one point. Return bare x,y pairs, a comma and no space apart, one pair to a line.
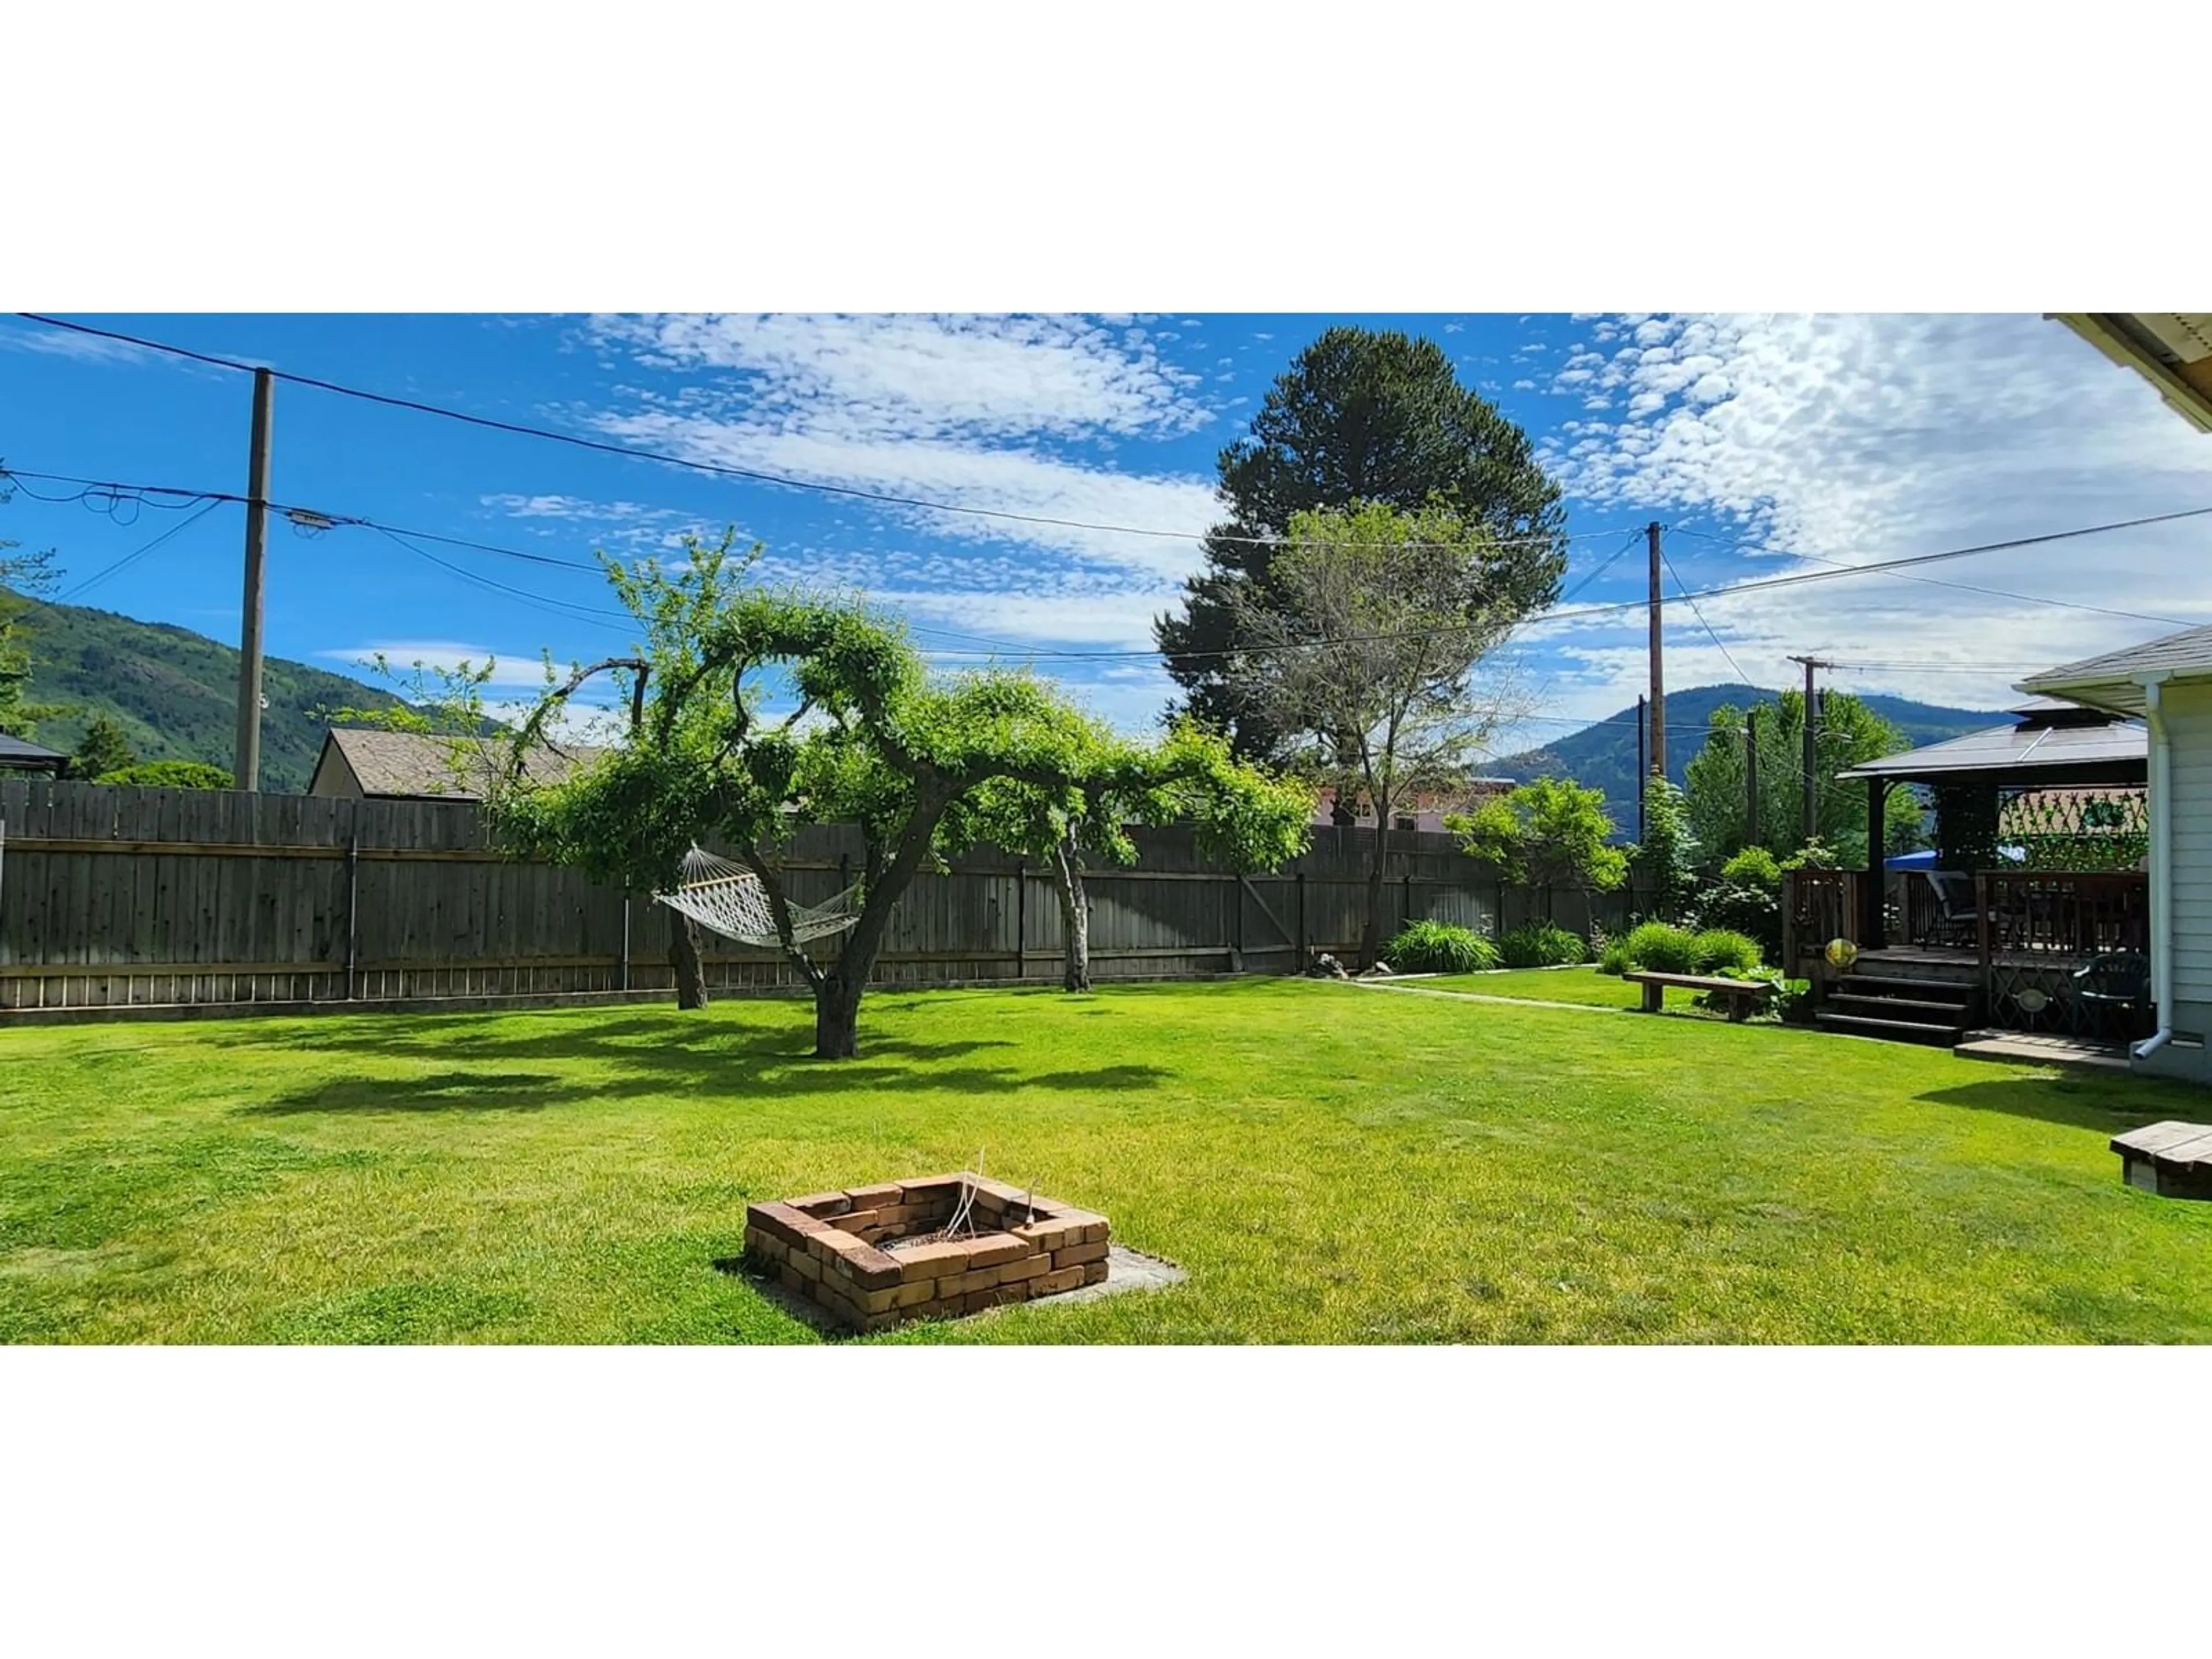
2188,730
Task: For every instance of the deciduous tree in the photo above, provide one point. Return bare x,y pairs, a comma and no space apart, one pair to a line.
1361,415
1547,833
747,713
1365,654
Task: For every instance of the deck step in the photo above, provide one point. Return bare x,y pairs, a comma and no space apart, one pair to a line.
1897,1030
1943,990
1952,1012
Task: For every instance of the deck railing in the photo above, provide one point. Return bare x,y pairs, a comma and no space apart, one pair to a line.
2071,916
1818,905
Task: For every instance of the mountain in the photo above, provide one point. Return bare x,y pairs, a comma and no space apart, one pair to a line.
175,693
1603,756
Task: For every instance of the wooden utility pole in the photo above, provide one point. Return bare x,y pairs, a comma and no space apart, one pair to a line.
1811,721
1658,663
1751,775
246,770
1640,773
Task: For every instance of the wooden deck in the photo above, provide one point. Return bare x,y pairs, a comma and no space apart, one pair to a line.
2044,1048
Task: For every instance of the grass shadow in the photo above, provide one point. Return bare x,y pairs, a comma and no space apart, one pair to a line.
440,1091
2107,1105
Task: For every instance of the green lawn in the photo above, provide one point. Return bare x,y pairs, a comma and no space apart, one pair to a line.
1330,1165
1552,985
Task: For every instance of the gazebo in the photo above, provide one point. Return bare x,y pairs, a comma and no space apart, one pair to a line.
2061,786
2035,916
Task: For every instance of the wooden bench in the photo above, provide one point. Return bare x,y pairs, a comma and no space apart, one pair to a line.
2174,1160
1743,994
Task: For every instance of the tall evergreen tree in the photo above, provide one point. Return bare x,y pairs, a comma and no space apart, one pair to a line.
1360,417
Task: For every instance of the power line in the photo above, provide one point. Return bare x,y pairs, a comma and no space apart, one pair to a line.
516,429
1683,588
131,558
1691,596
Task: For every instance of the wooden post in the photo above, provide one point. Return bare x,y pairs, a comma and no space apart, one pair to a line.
1302,936
246,760
1406,899
1236,923
1751,776
1872,921
353,911
1981,942
1642,772
625,942
1658,662
1020,917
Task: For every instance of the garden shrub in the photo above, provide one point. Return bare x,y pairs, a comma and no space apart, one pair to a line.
1791,1002
1614,958
1439,947
1719,948
1662,948
1755,866
1541,945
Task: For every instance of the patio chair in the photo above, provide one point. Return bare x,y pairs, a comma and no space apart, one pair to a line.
2119,980
1957,919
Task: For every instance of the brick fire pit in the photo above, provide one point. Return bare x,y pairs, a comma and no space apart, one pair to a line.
868,1255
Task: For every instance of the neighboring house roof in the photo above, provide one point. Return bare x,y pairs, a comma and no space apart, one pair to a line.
2172,349
1427,807
415,765
2048,744
18,754
2111,681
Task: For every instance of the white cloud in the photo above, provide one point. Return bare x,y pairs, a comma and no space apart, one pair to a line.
907,377
510,668
1850,439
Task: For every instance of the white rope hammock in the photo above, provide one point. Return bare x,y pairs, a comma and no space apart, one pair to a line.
728,899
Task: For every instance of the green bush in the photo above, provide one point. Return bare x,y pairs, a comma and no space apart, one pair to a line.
168,775
1541,945
1719,948
1755,866
1615,958
1662,948
1439,947
1791,1001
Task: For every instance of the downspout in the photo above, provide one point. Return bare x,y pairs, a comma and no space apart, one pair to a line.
2161,868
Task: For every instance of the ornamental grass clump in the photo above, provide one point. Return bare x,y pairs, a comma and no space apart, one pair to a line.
1440,947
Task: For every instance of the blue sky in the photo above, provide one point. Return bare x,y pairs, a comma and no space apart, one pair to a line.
1767,443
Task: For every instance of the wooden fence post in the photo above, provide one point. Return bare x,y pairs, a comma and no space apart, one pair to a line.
625,942
352,913
1021,918
1303,935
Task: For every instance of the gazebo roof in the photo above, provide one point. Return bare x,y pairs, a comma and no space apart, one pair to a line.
2035,750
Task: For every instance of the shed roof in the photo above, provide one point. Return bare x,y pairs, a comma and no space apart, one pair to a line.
2111,681
417,764
21,754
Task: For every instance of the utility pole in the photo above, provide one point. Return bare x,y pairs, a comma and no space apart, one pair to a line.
1658,665
246,772
1751,775
1640,773
1811,721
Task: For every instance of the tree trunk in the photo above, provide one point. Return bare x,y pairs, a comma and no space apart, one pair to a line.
1371,937
837,1015
1075,920
683,957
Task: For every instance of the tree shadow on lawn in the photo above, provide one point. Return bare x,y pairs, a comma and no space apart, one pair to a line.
493,1070
2106,1105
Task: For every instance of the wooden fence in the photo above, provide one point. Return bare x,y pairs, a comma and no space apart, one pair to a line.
113,897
